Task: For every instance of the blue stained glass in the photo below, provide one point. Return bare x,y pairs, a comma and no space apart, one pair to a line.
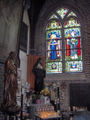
72,32
53,34
58,44
57,55
53,51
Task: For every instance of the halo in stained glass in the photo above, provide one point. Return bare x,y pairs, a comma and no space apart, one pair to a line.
73,66
71,14
54,67
53,34
62,12
72,32
72,23
53,16
53,25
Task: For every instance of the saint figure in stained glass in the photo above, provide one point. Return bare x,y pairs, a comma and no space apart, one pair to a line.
73,44
53,47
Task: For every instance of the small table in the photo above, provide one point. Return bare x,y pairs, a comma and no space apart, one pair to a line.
37,117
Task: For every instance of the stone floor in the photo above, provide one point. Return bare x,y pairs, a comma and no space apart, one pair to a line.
82,115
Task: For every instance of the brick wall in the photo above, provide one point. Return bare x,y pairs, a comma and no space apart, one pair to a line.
82,9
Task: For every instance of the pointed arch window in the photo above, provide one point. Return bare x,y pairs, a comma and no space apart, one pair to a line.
63,42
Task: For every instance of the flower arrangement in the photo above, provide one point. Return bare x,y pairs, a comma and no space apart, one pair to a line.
45,92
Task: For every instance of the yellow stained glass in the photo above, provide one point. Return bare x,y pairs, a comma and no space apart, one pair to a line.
53,16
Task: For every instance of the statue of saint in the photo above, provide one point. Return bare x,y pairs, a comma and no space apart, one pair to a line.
39,72
10,83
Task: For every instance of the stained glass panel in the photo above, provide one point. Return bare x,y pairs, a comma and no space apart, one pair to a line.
72,32
71,23
73,49
53,16
62,12
54,67
73,54
53,25
73,66
56,43
73,43
71,14
53,34
54,56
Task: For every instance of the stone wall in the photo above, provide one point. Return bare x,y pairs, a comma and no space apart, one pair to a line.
10,14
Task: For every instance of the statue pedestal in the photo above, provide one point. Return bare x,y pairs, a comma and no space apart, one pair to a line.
11,113
11,117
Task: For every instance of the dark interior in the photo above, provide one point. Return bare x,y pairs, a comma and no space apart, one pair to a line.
80,95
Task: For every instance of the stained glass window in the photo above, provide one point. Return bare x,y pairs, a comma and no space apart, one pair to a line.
62,12
53,25
53,16
71,14
71,23
63,42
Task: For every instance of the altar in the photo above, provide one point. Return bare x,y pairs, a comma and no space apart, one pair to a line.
37,109
37,117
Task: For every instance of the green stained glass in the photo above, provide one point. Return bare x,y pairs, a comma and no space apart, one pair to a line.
73,66
53,25
62,12
54,67
53,16
71,23
71,14
53,34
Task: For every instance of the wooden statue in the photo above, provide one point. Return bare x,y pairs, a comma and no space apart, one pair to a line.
10,83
